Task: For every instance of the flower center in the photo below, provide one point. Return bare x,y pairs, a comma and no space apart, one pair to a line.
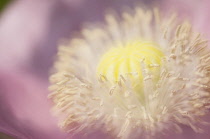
130,61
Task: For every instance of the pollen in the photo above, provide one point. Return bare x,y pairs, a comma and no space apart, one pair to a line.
129,61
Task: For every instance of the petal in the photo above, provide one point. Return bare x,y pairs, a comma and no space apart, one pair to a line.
22,27
24,107
195,11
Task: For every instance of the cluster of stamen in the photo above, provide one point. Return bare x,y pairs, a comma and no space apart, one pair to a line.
172,77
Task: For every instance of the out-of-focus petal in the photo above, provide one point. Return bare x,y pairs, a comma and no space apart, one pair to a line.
25,108
22,27
196,11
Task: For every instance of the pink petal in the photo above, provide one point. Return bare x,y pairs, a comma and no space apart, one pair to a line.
24,107
196,11
22,26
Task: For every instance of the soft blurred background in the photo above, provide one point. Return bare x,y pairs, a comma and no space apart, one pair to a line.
30,31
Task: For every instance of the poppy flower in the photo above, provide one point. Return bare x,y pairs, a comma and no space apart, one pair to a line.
140,75
29,33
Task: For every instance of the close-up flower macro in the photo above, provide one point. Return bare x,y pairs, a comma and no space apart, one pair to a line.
78,69
136,76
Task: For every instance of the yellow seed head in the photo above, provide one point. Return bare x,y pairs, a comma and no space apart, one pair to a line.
130,61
